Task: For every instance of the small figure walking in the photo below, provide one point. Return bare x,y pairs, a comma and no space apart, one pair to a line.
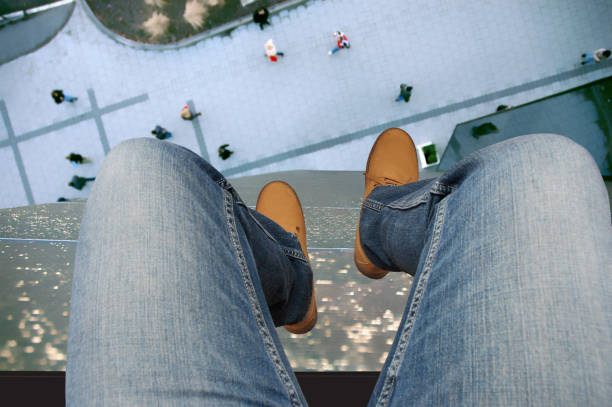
59,96
161,133
260,16
75,159
79,182
596,56
187,114
405,93
225,152
341,42
271,51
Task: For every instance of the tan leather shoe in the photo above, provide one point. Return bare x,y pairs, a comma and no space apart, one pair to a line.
279,202
392,161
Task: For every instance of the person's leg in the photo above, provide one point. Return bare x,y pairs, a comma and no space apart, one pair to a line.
172,281
588,58
511,299
399,98
282,54
69,98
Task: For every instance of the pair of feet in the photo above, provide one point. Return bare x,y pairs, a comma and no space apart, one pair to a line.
392,161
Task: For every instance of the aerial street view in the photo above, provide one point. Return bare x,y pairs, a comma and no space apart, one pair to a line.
252,202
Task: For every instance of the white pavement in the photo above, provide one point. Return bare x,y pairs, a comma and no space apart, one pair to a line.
449,51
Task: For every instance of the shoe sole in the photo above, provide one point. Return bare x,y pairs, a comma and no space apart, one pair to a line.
310,319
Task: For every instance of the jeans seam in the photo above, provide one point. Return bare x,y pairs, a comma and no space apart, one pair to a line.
288,251
295,253
398,356
255,305
376,206
443,188
259,224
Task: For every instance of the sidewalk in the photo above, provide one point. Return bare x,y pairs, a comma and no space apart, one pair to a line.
308,111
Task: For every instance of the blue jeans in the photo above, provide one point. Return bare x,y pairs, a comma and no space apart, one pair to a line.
588,59
178,286
69,98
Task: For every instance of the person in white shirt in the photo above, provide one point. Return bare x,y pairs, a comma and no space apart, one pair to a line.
271,51
596,56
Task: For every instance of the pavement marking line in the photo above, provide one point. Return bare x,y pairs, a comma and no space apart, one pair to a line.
97,115
76,119
414,118
198,132
53,127
18,159
125,103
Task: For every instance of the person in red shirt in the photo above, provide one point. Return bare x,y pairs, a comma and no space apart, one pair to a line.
341,42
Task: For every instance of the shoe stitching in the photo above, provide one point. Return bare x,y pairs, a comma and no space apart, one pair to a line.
381,181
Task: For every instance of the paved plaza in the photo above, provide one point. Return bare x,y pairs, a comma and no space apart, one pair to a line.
310,110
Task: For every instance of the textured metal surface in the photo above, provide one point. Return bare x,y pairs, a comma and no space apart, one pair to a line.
358,317
56,221
35,288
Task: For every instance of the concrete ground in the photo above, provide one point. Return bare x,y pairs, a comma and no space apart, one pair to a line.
308,111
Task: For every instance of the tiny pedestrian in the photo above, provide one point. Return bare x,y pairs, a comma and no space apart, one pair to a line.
225,152
161,133
59,96
596,56
271,51
341,42
75,159
260,16
187,114
79,182
405,93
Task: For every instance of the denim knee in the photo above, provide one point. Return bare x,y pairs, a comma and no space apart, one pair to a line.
138,157
124,158
535,159
549,154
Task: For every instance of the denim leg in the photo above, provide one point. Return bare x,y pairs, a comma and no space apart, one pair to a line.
588,59
172,281
511,301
